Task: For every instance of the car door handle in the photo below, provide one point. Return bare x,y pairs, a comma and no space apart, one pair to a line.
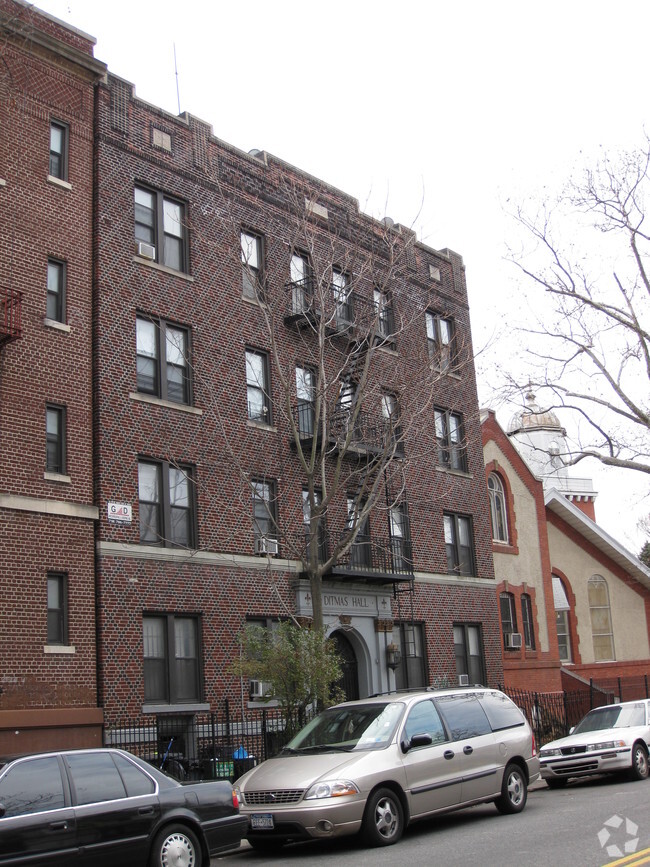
145,811
468,750
449,754
59,826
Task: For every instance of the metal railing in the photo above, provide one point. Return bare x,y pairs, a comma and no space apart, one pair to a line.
10,315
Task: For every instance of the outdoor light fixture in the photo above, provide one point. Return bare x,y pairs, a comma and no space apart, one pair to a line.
393,656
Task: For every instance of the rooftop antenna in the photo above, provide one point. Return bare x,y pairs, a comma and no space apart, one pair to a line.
178,96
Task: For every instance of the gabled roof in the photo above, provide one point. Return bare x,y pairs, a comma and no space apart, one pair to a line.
599,538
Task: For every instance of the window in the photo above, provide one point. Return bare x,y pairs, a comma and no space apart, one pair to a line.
166,504
464,716
264,510
459,544
163,359
411,671
160,224
55,439
384,312
468,648
508,617
391,418
55,290
300,278
172,669
257,386
424,718
95,778
252,258
342,297
562,609
601,619
360,552
305,390
58,151
441,341
527,621
32,786
498,513
306,520
451,442
400,538
57,608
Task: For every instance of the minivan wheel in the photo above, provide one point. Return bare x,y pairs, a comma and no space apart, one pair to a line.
514,790
639,769
176,846
383,820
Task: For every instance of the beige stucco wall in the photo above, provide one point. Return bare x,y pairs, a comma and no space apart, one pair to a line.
525,567
627,607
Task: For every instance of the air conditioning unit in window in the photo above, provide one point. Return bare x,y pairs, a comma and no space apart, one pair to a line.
513,640
463,680
266,545
147,251
258,690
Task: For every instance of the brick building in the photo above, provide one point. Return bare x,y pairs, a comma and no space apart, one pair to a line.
247,320
48,680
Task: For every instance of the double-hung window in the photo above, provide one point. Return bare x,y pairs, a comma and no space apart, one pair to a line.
257,386
57,608
391,419
384,313
319,530
342,297
264,515
163,359
498,511
459,544
451,442
55,457
58,151
469,652
411,671
305,391
441,341
301,282
166,503
360,552
172,661
508,617
601,619
160,228
527,623
400,539
55,308
252,258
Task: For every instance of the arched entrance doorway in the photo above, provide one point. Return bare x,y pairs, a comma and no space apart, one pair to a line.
349,681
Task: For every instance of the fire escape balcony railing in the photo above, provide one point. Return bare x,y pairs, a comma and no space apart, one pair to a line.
302,303
387,559
10,315
367,433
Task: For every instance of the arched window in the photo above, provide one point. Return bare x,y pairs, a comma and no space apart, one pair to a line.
527,621
562,609
498,510
601,619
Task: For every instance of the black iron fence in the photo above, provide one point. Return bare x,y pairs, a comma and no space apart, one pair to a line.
205,746
552,714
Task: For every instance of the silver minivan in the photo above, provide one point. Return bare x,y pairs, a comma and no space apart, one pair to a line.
377,764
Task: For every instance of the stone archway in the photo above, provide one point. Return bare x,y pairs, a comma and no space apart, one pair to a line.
349,681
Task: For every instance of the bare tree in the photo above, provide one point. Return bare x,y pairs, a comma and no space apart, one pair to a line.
587,339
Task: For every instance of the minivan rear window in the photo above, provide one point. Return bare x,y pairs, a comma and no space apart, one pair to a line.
501,711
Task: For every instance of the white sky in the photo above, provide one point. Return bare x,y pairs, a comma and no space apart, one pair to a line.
434,113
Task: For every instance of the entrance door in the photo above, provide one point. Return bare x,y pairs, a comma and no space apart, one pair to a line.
349,681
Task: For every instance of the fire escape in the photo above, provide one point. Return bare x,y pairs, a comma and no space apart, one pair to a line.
10,315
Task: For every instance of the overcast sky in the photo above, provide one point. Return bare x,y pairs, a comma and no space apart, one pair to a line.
433,113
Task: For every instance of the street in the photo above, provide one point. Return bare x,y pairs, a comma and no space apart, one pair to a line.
591,823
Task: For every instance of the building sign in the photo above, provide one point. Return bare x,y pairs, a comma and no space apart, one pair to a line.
345,602
122,513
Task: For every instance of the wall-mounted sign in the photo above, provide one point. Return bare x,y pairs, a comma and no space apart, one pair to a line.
120,512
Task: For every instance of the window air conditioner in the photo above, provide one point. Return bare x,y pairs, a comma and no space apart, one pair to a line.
258,689
463,680
513,640
147,251
266,545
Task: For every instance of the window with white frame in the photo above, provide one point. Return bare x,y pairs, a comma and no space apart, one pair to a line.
162,350
57,608
305,393
252,257
601,619
59,133
498,511
257,386
562,610
55,452
56,274
342,297
301,283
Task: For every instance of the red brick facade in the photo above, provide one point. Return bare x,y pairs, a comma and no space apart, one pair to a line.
46,518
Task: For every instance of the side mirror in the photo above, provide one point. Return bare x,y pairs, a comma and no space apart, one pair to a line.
421,739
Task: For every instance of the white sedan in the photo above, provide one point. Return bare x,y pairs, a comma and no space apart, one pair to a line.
609,739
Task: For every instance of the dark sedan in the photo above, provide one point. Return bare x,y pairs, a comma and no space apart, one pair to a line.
106,807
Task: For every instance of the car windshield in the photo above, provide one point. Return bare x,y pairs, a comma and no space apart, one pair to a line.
347,728
614,717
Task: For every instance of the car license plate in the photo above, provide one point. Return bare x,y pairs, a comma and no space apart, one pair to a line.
262,821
